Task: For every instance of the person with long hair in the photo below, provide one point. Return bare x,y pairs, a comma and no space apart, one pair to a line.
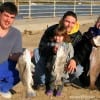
63,52
82,52
41,55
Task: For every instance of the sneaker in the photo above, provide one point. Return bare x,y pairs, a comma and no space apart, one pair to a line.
67,83
49,92
58,94
7,95
42,87
39,87
76,83
12,91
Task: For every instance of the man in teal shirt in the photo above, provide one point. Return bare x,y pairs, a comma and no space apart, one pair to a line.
10,49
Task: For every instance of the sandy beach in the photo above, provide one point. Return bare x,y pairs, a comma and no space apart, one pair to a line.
35,29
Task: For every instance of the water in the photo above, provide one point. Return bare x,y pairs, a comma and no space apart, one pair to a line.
59,10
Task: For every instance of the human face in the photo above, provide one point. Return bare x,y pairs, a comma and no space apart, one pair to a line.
59,39
6,20
69,23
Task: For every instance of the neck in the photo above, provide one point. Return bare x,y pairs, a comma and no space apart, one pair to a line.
3,32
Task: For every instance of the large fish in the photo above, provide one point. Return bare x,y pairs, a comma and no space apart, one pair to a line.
25,68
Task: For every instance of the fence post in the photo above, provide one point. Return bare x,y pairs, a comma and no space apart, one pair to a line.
17,4
91,7
54,10
75,6
29,9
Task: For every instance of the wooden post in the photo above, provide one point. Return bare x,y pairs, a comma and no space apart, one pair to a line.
29,9
17,4
75,6
54,11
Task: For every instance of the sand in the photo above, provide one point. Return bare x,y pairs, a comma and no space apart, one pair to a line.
31,41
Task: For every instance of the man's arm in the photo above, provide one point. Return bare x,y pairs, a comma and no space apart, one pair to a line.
14,56
16,50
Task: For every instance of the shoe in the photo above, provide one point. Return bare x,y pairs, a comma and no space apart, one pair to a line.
42,87
58,94
76,83
6,95
12,91
67,83
39,87
49,92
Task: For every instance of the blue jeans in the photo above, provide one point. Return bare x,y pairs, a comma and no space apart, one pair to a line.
9,76
76,74
40,64
40,69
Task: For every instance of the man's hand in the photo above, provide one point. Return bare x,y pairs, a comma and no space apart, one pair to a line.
14,56
71,66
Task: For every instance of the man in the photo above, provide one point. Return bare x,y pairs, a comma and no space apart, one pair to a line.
10,49
83,50
71,25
